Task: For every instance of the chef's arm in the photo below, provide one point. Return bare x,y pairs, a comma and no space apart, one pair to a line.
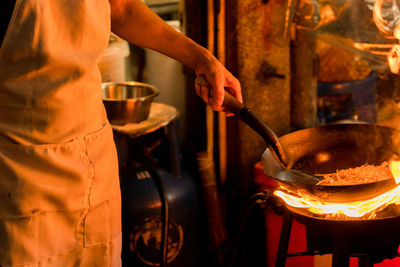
133,21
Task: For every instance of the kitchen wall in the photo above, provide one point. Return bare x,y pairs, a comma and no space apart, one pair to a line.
257,52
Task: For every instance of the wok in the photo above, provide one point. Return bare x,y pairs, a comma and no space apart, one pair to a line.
323,149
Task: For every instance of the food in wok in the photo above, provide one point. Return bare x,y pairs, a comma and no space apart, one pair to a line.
364,174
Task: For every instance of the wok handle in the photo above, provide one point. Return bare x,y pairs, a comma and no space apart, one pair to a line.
253,121
231,104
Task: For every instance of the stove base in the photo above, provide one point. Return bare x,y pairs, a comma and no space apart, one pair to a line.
370,241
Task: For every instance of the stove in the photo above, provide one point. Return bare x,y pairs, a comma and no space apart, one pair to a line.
371,241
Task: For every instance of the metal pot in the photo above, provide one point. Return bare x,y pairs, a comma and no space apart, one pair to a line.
128,102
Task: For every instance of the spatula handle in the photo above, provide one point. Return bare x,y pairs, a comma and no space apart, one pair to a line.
232,105
269,136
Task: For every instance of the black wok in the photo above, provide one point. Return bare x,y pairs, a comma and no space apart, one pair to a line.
323,149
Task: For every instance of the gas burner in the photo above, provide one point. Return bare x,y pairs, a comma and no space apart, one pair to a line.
370,240
383,206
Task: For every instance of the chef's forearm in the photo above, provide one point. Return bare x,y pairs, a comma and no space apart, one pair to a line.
136,23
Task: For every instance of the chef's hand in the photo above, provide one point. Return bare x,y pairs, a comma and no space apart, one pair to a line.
218,80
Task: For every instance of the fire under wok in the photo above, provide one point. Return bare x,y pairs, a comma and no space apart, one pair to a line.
293,159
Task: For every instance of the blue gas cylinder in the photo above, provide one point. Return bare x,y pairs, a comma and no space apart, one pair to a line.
147,161
142,222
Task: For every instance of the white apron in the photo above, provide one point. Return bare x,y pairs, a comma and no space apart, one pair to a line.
59,187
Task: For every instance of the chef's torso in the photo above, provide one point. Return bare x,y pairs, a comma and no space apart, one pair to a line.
50,84
59,185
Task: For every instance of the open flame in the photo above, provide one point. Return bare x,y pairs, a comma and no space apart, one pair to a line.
394,166
358,209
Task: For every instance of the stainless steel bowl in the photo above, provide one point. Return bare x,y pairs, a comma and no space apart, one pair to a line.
128,102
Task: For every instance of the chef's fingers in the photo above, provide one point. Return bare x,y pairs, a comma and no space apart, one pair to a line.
232,85
222,81
204,89
207,96
202,92
219,82
197,88
217,90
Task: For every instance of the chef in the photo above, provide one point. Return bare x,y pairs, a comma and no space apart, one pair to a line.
59,186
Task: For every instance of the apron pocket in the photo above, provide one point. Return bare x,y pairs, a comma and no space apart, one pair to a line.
97,225
27,239
103,223
52,177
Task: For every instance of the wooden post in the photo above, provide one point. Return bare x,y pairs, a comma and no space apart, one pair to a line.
221,116
303,102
